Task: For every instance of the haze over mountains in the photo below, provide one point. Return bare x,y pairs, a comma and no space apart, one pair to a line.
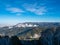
27,24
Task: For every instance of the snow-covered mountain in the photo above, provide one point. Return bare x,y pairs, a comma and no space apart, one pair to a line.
32,24
22,28
26,25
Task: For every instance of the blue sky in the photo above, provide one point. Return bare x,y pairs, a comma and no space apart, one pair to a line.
16,11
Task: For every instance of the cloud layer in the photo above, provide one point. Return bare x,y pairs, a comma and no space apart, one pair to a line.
35,8
38,10
14,10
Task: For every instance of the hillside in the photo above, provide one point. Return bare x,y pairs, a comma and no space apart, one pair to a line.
27,30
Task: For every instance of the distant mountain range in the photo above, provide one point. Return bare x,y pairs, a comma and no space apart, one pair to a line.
37,24
32,24
27,29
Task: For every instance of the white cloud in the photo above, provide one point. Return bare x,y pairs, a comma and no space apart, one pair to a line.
34,8
39,10
14,10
